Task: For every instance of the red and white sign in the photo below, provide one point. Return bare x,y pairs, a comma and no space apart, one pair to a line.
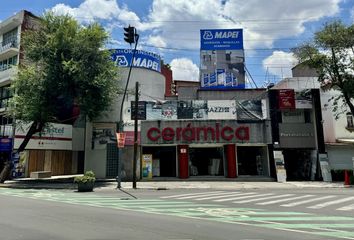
120,140
286,99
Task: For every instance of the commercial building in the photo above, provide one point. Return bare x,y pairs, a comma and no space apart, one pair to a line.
56,151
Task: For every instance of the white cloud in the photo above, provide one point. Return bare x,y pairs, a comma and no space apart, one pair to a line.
156,41
184,69
280,63
263,22
90,10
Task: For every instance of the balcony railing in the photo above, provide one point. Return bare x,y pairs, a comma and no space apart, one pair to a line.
6,130
12,43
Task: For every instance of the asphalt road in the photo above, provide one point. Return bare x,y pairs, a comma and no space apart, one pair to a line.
176,214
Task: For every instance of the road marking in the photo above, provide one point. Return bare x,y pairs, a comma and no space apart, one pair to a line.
346,208
322,205
264,198
191,194
307,201
243,196
284,200
221,196
200,195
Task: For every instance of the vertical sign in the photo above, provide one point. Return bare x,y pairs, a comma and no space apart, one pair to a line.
120,140
147,166
286,99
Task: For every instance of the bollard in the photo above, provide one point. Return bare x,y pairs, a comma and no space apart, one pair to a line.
346,178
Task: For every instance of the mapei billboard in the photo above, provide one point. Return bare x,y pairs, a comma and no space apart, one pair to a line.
142,59
222,59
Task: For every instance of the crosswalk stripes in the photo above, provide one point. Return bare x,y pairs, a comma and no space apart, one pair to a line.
285,200
310,201
264,198
293,204
326,204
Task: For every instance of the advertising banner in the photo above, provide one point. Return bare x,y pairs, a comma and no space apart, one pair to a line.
286,98
102,133
221,39
222,109
54,137
249,110
222,59
147,166
142,59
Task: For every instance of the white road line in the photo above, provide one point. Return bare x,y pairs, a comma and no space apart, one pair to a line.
250,195
307,201
346,208
191,194
322,205
284,200
200,195
221,196
264,198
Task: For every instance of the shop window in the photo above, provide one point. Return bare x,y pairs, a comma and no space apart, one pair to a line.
350,122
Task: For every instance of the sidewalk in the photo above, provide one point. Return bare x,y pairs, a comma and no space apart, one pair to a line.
66,182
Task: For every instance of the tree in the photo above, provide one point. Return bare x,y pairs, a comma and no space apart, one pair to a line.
64,66
331,53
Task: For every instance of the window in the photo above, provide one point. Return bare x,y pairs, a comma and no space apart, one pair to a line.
350,123
7,63
5,95
9,37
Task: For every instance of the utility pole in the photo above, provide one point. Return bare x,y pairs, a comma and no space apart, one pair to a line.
130,37
135,133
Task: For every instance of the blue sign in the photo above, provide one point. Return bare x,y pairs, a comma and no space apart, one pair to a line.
221,39
5,144
142,59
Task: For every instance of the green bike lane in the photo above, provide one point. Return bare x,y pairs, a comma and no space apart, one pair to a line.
339,227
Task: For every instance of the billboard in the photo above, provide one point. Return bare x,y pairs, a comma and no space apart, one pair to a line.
221,39
222,59
142,59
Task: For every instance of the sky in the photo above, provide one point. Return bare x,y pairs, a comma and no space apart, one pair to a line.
172,28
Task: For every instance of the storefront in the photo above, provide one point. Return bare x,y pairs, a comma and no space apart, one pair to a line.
219,148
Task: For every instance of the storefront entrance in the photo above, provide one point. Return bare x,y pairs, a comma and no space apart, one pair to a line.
252,160
206,161
298,164
163,160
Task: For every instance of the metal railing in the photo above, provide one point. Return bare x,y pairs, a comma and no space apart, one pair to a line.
5,67
10,43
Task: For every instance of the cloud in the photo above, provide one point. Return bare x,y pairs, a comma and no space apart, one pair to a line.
280,63
263,22
184,69
90,10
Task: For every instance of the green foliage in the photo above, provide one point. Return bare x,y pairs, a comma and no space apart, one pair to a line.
65,64
89,176
331,53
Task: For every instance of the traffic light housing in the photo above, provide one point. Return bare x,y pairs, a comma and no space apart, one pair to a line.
129,34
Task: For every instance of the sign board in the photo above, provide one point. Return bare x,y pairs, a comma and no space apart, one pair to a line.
141,110
286,98
222,59
53,137
147,166
120,140
142,59
221,39
5,144
280,166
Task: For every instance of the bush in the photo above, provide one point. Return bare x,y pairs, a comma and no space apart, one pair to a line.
89,176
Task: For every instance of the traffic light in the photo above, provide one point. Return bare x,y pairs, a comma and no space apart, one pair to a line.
129,34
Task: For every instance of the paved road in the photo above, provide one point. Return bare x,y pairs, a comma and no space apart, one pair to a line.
177,214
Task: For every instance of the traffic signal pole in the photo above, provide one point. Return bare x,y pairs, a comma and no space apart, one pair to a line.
130,39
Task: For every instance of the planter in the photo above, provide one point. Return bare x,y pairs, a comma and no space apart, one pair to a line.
85,187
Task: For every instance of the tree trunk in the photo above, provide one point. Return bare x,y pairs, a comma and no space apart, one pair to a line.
35,128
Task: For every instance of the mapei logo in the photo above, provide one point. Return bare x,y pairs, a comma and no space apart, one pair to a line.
208,35
121,61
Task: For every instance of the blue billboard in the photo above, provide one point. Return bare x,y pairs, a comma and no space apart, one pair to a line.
142,59
221,39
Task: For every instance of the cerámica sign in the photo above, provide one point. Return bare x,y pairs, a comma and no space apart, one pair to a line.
167,132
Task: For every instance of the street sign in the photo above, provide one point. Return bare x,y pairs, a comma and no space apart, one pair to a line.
141,110
120,140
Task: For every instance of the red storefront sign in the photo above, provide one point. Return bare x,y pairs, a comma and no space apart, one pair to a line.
120,140
286,99
196,134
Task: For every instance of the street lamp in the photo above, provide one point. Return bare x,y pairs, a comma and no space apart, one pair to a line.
130,37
